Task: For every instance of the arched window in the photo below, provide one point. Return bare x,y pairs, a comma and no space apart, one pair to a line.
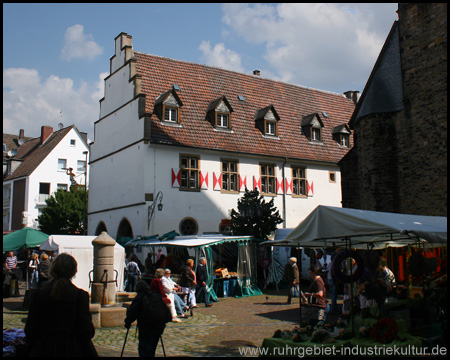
125,229
100,227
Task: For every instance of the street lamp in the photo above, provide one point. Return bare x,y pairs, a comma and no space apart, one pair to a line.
85,194
151,208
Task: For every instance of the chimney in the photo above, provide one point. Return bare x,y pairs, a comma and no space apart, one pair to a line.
256,72
352,95
21,134
46,131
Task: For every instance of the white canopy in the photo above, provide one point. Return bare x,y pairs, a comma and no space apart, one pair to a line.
81,248
191,241
329,226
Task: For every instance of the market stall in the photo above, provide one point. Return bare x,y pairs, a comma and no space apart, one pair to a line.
381,337
352,229
333,226
244,279
23,239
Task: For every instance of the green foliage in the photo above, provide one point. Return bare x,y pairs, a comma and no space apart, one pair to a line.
255,216
64,212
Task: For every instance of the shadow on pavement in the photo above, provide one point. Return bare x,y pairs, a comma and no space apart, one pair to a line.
291,315
13,304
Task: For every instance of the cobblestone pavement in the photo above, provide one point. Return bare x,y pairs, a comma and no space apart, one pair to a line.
221,330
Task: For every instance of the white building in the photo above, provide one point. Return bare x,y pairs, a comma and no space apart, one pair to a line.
197,136
37,169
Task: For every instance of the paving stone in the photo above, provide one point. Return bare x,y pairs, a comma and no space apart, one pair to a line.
221,330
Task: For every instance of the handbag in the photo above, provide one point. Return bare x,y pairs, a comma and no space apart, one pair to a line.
295,291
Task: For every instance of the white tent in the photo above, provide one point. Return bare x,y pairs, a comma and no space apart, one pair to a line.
333,226
81,248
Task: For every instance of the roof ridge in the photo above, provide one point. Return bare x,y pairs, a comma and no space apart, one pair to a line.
240,73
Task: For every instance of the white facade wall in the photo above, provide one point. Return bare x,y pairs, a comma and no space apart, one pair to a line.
123,170
152,166
118,130
125,179
47,172
118,91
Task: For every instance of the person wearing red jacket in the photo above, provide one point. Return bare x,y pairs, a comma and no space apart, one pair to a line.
157,286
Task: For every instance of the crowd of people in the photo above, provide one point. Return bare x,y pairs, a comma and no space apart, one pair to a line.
376,284
60,324
178,297
38,268
162,297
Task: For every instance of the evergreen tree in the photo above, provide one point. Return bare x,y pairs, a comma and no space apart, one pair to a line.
255,216
64,212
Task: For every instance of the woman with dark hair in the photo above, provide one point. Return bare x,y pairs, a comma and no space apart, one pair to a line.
133,272
315,310
59,322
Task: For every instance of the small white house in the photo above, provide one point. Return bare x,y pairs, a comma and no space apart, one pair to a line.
177,143
38,168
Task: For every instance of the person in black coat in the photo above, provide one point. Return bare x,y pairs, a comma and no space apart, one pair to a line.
151,314
59,322
202,278
44,270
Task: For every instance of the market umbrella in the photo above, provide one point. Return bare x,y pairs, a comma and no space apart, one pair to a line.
26,237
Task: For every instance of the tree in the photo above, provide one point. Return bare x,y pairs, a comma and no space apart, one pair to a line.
64,212
255,216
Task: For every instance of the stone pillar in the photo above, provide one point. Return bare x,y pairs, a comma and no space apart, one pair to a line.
103,287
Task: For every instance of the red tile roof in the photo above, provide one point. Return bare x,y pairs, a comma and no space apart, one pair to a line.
200,85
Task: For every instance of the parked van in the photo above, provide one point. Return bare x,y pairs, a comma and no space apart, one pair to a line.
305,256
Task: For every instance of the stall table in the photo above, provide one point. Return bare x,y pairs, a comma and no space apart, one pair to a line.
364,346
225,287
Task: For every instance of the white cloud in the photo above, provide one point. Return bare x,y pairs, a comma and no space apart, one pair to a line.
29,102
220,56
77,44
325,46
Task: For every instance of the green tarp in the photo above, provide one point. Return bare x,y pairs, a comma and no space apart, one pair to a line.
246,267
26,237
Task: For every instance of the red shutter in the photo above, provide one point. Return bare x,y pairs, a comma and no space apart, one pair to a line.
280,187
242,183
203,180
176,178
310,188
288,186
256,183
217,181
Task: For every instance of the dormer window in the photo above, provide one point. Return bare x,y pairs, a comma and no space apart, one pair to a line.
341,134
312,127
219,113
316,133
344,140
267,121
171,114
271,128
167,107
222,120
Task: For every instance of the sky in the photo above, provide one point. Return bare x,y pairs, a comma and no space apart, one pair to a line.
56,56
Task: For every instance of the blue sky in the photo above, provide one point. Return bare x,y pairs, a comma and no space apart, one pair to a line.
55,56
